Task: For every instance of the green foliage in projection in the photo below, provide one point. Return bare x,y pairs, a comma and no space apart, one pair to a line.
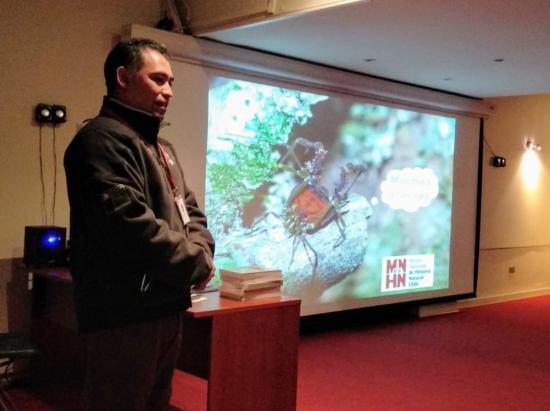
258,120
249,166
265,117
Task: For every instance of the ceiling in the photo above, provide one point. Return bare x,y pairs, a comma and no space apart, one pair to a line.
478,48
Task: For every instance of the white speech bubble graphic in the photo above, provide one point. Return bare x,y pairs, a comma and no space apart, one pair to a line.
410,188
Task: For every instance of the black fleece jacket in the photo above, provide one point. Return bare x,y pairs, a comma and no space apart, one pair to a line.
132,258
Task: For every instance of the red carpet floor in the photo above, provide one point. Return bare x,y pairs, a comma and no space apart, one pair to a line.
487,358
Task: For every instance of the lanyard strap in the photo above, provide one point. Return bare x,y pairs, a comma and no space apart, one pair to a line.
165,164
180,202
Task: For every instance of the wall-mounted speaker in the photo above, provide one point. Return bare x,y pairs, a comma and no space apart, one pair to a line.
498,161
43,113
59,114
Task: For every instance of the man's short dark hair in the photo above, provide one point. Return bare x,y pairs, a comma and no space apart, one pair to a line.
128,54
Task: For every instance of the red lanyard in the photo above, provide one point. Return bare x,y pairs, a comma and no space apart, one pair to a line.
165,157
180,202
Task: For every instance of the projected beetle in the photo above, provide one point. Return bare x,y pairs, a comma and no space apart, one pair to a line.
310,207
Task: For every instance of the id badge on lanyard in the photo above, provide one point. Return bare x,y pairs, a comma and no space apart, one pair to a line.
182,209
178,198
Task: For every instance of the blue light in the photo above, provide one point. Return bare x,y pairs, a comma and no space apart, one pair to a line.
51,240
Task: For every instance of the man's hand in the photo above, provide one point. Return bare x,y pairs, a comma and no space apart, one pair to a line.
202,285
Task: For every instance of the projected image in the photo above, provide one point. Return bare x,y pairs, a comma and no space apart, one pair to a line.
349,200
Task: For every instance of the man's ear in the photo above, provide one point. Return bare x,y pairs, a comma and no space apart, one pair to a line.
122,76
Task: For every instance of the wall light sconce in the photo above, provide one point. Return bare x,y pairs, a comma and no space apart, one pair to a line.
531,145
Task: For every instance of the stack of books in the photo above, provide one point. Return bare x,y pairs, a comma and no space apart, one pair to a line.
250,283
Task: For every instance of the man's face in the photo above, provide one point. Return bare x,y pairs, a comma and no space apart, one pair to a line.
150,88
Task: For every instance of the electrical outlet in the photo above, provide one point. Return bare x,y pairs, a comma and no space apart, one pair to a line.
511,269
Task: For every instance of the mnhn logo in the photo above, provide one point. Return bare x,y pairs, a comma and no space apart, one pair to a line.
403,272
396,273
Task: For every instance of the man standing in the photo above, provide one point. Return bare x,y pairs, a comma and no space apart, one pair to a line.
138,239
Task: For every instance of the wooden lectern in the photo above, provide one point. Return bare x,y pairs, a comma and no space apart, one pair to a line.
248,351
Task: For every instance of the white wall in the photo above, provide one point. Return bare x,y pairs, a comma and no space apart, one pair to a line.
515,219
